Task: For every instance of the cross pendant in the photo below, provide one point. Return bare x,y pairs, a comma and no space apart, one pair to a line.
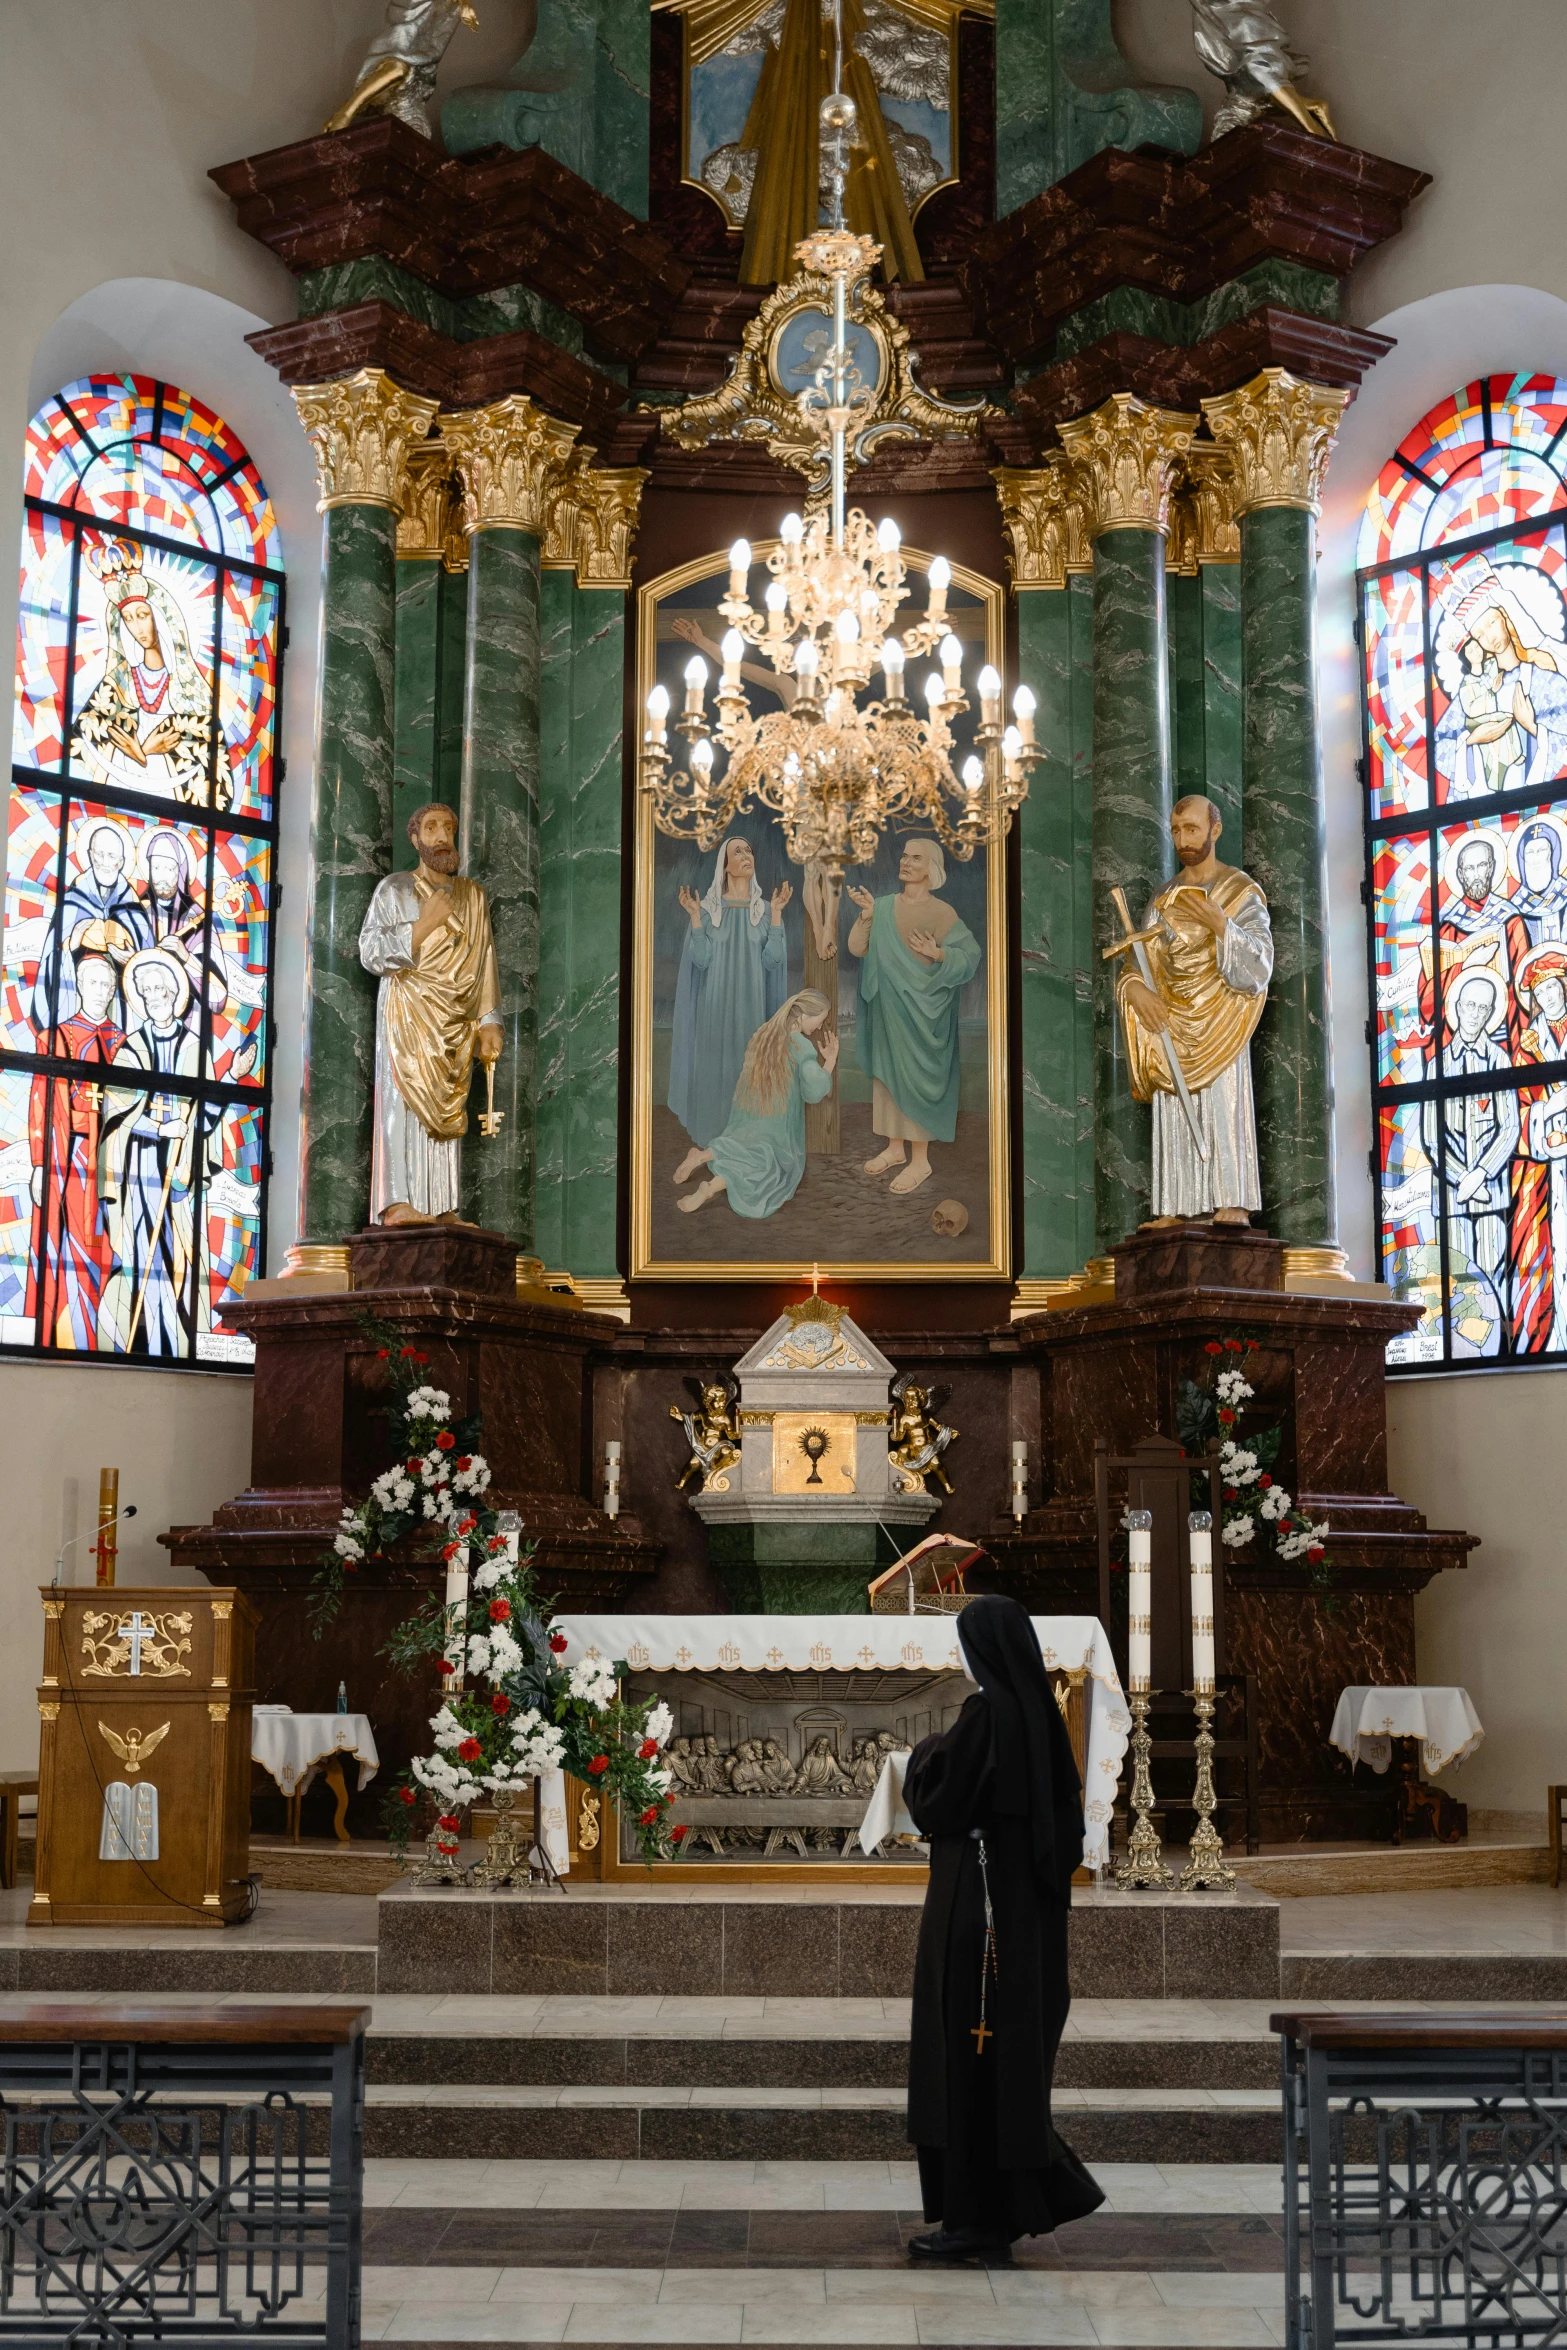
979,2033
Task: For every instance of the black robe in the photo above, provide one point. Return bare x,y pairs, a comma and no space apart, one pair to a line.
988,2155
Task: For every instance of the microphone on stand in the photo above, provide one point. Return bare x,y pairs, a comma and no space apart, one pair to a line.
97,1533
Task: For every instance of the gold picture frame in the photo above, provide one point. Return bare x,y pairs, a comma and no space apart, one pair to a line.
985,627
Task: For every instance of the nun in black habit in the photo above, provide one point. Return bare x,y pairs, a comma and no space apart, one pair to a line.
1000,1799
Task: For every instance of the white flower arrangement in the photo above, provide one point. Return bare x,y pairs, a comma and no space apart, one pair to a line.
1238,1531
1302,1539
660,1723
1236,1465
1275,1503
428,1403
1232,1388
594,1681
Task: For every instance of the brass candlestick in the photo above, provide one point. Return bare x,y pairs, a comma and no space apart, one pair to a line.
1205,1871
108,1544
1144,1863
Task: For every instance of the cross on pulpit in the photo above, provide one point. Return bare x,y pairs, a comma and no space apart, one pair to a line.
979,2033
137,1629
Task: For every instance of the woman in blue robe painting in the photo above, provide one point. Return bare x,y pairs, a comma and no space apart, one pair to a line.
733,977
917,954
760,1156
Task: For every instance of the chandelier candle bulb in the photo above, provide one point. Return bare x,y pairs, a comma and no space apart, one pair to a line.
777,601
739,566
1139,1631
1023,707
973,774
951,658
657,713
791,530
990,696
892,668
734,654
935,691
940,579
888,536
696,679
1200,1536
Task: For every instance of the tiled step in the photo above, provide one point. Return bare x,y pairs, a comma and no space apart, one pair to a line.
829,2125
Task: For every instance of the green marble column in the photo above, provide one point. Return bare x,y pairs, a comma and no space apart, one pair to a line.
500,848
1282,792
581,700
1205,694
1131,844
432,628
350,835
1055,849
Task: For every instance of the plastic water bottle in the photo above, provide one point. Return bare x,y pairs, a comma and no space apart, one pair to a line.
342,1697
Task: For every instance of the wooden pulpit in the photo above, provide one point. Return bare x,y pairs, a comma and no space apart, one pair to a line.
144,1757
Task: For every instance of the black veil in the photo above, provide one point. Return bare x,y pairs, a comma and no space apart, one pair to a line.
1036,1775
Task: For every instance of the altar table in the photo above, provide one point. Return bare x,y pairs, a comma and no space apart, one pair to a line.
1366,1721
845,1644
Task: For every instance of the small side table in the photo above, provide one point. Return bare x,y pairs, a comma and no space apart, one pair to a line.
13,1786
1441,1726
293,1747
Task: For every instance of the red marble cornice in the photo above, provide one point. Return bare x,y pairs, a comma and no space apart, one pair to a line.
1180,226
459,375
462,225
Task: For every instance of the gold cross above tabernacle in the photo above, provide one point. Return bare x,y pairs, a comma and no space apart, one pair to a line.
979,2033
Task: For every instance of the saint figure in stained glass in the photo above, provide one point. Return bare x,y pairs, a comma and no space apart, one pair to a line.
147,1164
1539,1222
71,1260
148,719
1499,656
1539,866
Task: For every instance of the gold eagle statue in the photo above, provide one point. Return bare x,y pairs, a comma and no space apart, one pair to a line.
133,1749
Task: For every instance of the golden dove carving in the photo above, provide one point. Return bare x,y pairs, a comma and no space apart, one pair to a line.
133,1749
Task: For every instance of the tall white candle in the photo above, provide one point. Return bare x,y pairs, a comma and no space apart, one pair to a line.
457,1614
1200,1535
1139,1622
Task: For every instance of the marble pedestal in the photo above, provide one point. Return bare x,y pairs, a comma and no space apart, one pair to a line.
318,1438
1114,1372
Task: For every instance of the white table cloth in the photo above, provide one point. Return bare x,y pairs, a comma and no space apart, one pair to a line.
1366,1721
886,1814
293,1746
844,1644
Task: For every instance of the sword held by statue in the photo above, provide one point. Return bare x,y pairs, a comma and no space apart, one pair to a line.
1135,943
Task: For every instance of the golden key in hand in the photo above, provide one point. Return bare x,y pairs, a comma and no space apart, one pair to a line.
490,1117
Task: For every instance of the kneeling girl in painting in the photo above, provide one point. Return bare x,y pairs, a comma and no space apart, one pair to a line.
760,1156
1000,1799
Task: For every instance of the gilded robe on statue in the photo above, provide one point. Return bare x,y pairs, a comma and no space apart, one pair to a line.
427,1016
1214,991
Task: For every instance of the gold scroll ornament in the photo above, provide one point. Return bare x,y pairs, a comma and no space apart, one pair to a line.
163,1643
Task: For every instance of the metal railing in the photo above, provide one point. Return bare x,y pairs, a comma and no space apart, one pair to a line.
190,2175
1425,2178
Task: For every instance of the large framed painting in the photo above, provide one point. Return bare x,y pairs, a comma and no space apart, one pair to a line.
841,1055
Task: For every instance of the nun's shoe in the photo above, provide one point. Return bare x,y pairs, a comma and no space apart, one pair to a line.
961,2244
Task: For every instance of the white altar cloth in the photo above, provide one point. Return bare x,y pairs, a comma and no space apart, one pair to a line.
292,1746
887,1814
1366,1721
846,1644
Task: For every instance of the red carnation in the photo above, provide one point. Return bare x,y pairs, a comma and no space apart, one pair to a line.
450,1552
1264,1482
350,1566
649,1818
495,1543
383,1354
465,1460
445,1441
599,1765
1232,1493
1232,1346
408,1354
421,1358
413,1464
469,1751
647,1750
677,1835
448,1820
1213,1347
468,1524
406,1795
500,1611
1226,1418
1316,1551
446,1665
500,1703
1251,1346
559,1643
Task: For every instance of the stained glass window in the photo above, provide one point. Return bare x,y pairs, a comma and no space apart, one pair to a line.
1463,632
140,881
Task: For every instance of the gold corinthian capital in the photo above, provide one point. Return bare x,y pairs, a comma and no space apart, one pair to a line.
1279,433
429,496
592,527
507,459
1045,516
1125,457
362,430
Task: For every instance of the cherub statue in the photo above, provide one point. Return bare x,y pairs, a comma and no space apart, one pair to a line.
916,1439
712,1431
1243,42
398,73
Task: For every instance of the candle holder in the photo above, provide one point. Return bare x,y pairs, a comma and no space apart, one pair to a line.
1205,1871
1144,1865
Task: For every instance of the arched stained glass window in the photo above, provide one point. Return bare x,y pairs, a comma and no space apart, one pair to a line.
1463,631
140,894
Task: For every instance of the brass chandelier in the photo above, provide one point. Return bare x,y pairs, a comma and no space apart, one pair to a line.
835,772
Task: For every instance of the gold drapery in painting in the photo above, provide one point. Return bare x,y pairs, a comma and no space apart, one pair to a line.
781,129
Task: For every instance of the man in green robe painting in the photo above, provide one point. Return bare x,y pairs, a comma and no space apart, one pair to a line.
917,954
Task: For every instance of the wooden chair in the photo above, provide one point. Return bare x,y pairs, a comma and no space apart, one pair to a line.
1555,1798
